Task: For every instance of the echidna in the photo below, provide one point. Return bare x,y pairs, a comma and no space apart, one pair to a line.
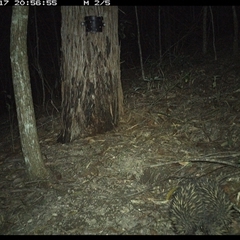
200,207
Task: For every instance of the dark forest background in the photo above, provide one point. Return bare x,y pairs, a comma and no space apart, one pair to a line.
181,36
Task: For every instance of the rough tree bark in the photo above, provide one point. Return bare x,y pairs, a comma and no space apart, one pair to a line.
91,87
23,96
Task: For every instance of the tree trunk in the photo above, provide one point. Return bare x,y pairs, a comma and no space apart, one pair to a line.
159,34
235,37
91,87
205,30
139,44
23,96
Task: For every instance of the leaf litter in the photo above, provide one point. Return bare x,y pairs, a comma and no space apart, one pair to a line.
121,182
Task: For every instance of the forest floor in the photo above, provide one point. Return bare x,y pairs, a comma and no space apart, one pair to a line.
182,121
